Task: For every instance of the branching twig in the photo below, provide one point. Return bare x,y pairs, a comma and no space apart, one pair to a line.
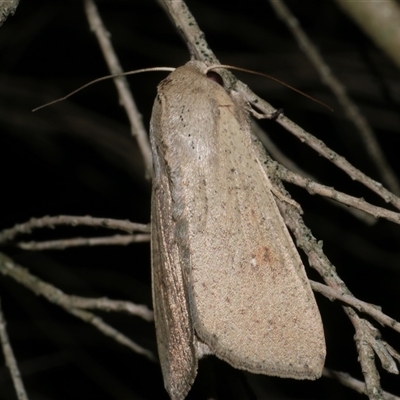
70,304
187,26
319,261
108,330
353,383
316,188
278,155
326,152
11,362
367,308
9,268
368,339
198,46
349,107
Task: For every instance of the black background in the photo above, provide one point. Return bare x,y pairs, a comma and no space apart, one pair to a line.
78,158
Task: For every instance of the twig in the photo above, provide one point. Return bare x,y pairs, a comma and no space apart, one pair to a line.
108,330
126,98
41,288
56,296
11,362
359,305
322,149
116,240
50,222
278,155
316,188
365,342
188,28
365,349
7,7
106,304
351,110
352,383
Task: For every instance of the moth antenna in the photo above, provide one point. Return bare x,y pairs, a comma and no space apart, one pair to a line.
103,78
270,77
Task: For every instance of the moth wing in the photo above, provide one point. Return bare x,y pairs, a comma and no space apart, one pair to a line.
263,318
175,336
250,298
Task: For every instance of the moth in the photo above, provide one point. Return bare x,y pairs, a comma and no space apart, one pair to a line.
227,279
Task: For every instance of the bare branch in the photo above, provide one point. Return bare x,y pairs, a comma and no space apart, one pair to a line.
11,362
7,8
351,110
56,296
108,330
70,220
352,383
126,98
316,188
116,240
278,155
365,341
329,154
186,25
367,308
365,348
195,39
191,33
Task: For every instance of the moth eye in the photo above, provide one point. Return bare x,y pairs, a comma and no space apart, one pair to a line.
215,77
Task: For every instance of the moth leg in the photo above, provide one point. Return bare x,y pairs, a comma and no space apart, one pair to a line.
273,115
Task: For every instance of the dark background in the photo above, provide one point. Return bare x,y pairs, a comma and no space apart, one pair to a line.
78,158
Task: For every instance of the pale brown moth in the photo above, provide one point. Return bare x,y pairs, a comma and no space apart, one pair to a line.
227,278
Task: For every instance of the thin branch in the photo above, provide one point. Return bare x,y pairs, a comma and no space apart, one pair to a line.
11,362
7,8
41,288
56,296
278,155
116,240
351,110
366,356
365,342
126,98
322,149
195,38
108,330
367,308
50,222
190,31
187,26
106,304
316,188
352,383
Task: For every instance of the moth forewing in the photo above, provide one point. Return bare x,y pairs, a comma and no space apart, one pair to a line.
174,330
243,284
